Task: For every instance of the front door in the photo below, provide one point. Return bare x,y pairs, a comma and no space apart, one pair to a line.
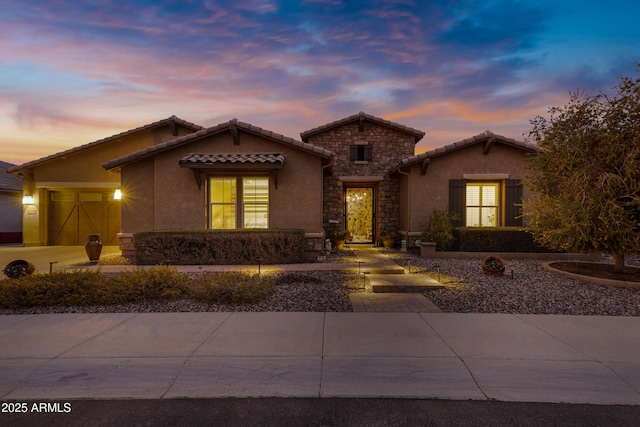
360,214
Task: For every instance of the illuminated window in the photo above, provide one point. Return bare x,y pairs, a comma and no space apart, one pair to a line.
239,202
255,202
223,203
482,204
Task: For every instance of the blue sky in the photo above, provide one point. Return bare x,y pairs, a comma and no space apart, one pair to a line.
72,72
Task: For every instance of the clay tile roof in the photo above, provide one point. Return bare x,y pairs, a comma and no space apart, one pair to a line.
159,123
482,137
356,117
211,159
222,127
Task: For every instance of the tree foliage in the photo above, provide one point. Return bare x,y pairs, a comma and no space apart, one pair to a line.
586,177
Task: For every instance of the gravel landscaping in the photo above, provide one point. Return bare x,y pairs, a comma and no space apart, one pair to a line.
532,290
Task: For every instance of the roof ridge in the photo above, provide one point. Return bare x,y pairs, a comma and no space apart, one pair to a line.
131,157
457,145
104,140
362,115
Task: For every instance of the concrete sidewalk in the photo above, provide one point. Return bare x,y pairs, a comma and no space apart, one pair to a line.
528,358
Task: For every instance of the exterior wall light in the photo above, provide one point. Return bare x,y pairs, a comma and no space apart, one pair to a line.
28,200
117,195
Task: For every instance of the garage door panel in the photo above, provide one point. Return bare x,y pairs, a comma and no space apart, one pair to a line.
75,214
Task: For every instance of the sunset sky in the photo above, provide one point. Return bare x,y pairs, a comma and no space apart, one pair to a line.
72,72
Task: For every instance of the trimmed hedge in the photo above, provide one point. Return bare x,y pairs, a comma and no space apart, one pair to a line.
498,239
88,288
218,247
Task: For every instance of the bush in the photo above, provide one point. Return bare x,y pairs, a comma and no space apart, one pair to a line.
439,229
231,288
85,288
495,239
206,247
59,288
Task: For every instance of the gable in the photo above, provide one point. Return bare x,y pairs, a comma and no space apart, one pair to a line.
131,140
233,129
484,144
361,118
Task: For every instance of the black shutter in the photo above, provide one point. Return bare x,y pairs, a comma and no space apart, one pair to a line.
368,153
457,189
513,201
353,152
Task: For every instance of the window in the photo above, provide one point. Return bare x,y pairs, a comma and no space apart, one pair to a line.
363,153
255,199
223,203
482,204
239,202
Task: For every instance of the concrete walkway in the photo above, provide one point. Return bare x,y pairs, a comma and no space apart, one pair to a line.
528,358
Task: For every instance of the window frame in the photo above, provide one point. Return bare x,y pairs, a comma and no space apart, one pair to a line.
239,204
481,204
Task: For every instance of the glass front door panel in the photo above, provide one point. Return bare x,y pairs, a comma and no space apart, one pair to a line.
359,212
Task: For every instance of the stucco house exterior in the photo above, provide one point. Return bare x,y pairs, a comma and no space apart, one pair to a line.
71,195
479,179
10,206
358,173
230,176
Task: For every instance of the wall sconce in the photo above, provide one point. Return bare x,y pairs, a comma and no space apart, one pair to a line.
117,195
28,200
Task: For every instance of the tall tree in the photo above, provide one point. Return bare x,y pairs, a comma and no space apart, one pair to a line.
586,177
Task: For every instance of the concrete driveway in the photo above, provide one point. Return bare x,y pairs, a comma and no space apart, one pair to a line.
41,256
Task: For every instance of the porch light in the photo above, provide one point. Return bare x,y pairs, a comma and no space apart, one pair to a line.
28,200
117,195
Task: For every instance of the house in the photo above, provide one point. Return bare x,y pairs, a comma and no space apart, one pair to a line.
10,206
358,173
69,195
230,176
479,179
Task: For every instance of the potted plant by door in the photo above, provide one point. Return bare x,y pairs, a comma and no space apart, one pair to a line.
338,237
388,238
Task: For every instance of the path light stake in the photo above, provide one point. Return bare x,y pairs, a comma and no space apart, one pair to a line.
438,269
512,274
51,266
259,265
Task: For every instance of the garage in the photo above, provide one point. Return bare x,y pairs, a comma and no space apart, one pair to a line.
74,214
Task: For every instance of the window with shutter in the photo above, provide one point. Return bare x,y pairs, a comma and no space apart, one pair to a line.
513,203
456,200
361,153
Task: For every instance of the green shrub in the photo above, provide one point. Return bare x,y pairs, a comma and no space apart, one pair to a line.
154,284
204,247
59,288
439,229
83,288
231,287
495,239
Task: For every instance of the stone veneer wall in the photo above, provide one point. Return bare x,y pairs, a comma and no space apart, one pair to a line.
389,147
